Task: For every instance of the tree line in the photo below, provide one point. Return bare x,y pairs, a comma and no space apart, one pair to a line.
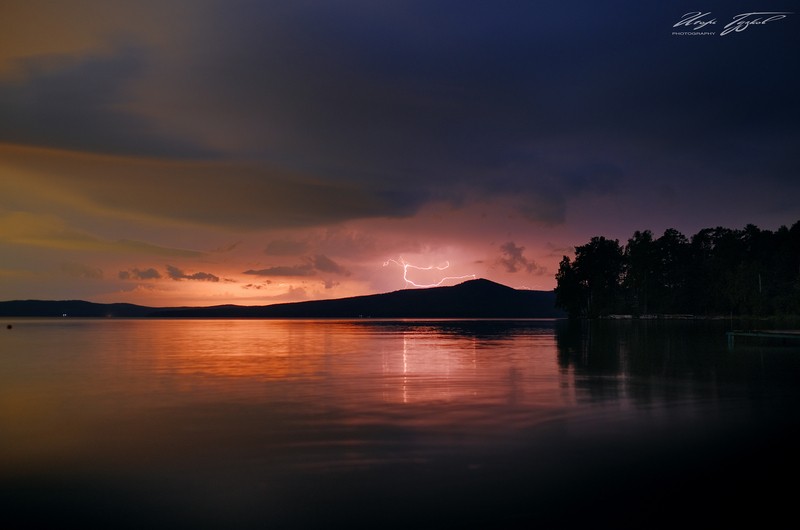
718,271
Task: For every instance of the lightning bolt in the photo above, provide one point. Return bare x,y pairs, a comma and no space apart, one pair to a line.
403,263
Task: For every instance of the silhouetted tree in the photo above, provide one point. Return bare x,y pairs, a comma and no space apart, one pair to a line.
700,275
726,261
570,293
782,279
672,249
717,271
641,271
591,284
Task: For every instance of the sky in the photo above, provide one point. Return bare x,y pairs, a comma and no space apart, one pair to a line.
200,152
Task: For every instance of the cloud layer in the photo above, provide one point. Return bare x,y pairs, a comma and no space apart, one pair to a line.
379,109
295,146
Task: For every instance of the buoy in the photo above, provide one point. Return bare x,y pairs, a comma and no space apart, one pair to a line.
9,326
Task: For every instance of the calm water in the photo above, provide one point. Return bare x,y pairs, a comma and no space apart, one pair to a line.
405,424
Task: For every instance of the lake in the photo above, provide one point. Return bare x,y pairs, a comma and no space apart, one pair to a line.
119,423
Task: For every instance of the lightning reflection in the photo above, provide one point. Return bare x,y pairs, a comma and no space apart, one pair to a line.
446,265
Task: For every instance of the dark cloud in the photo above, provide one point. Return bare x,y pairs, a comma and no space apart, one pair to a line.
325,264
140,274
203,276
79,103
177,274
306,269
513,260
529,99
220,194
311,267
373,110
257,286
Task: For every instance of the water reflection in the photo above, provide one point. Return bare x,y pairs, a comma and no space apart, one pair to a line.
386,361
491,424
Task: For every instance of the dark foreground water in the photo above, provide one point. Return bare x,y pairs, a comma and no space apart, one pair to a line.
401,424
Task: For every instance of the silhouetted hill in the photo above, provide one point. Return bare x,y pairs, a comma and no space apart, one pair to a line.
72,308
471,299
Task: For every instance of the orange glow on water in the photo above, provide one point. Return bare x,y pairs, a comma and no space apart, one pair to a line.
142,376
402,366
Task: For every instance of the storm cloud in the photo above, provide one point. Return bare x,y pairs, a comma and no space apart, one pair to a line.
514,260
140,274
78,102
177,274
312,266
306,269
377,111
325,264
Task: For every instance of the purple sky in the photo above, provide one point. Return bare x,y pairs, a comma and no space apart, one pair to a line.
199,152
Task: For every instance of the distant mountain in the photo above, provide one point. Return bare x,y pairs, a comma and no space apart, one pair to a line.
471,299
72,308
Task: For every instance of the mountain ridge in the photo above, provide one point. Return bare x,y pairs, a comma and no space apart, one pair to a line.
479,298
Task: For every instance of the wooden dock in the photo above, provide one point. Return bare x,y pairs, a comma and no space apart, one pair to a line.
782,335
